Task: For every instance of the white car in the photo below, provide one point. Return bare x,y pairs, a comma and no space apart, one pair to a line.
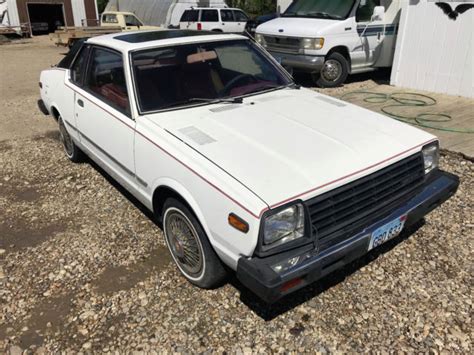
246,170
214,19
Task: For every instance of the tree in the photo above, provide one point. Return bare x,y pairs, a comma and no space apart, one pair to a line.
101,4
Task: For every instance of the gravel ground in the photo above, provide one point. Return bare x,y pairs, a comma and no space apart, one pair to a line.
83,267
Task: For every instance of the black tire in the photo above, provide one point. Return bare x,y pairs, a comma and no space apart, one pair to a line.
72,151
334,72
210,272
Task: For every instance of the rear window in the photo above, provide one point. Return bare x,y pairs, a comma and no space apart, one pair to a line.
209,16
109,18
190,16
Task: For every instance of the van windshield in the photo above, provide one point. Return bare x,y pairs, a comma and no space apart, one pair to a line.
202,73
326,9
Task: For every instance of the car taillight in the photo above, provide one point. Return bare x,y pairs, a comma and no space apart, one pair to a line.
199,26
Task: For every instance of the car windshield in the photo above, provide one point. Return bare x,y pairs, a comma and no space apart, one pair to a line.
327,9
170,77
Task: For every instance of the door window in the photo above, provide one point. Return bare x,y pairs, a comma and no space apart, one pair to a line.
131,20
227,16
240,16
209,16
366,9
78,68
106,79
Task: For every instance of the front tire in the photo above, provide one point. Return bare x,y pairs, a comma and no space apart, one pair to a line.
72,151
190,247
334,71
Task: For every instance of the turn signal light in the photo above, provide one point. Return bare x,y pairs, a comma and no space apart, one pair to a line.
238,223
290,284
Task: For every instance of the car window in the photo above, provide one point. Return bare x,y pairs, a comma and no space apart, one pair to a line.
183,75
131,20
366,9
106,79
109,18
209,16
78,67
227,16
190,16
240,16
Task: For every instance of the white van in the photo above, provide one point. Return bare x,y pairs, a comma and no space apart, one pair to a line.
214,19
333,38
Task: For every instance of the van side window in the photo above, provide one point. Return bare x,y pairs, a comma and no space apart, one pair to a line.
190,16
227,16
106,79
209,16
78,67
366,9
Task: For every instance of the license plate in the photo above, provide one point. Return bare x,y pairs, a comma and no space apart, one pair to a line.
387,232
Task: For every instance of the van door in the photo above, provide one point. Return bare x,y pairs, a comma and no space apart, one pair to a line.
370,33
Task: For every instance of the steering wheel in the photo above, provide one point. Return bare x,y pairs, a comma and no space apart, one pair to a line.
226,89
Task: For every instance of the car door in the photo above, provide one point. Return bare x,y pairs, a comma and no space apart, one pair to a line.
227,21
240,19
103,116
370,35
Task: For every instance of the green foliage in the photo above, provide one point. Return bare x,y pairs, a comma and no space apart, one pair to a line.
254,7
101,4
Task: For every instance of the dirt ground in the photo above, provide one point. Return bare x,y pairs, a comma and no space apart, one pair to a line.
84,268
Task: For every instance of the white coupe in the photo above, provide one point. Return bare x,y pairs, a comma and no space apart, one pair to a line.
245,169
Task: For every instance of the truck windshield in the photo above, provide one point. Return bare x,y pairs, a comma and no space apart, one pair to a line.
202,73
326,9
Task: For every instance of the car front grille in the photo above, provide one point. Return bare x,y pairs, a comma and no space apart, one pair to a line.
343,212
283,44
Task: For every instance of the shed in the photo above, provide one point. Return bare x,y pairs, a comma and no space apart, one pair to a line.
44,16
434,50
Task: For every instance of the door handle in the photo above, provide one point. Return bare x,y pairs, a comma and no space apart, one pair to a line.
80,103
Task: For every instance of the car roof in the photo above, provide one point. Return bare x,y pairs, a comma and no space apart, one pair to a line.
213,8
135,40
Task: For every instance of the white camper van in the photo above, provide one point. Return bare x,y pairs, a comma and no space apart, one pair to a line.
333,38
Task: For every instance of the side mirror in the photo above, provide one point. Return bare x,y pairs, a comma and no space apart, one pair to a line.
379,13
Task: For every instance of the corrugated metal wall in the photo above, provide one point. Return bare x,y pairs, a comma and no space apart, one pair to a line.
434,53
151,12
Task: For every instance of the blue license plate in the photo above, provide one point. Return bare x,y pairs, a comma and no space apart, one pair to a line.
387,232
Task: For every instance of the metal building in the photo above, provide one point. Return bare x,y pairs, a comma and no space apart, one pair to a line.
44,16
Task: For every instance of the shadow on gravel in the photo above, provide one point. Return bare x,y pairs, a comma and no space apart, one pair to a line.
270,311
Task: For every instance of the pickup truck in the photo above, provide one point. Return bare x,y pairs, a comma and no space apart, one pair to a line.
246,170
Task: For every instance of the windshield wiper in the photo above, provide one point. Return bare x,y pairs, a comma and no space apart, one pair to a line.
230,100
324,15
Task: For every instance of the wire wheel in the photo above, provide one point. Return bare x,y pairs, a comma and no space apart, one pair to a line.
66,139
183,243
332,70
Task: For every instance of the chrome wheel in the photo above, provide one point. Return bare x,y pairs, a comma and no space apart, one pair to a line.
183,243
332,70
66,139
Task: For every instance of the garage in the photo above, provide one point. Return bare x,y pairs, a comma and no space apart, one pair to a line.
45,18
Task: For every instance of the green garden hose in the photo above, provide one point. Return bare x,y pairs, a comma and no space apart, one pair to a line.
404,99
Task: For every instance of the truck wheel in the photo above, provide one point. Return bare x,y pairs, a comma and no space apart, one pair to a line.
72,151
334,71
190,247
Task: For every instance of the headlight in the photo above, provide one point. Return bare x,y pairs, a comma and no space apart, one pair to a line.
431,156
284,226
260,39
312,43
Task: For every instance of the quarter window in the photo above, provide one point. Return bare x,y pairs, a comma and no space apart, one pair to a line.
209,16
77,69
190,16
106,79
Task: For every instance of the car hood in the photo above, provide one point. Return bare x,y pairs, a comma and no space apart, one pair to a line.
297,26
292,143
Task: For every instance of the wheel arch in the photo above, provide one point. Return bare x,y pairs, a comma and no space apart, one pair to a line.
55,112
343,50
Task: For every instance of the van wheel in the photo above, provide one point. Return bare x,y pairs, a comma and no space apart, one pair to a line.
190,247
334,71
72,151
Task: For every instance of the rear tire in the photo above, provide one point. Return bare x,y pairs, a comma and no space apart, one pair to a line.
190,247
72,151
334,72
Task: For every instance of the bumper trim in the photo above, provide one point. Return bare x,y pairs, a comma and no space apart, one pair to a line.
309,63
257,274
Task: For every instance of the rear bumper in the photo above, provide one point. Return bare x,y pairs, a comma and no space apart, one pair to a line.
257,274
300,62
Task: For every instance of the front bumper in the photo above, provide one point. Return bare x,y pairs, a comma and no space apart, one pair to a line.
257,274
308,63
